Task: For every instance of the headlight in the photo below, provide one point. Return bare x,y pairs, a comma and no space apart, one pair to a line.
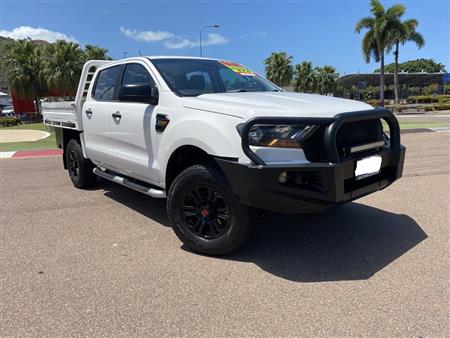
281,136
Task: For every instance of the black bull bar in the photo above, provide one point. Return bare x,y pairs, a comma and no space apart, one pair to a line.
331,131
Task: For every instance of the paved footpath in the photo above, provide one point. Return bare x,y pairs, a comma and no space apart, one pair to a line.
104,262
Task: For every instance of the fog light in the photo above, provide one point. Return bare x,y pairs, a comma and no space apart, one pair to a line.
283,177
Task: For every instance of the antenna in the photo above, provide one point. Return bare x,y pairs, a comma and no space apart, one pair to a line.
140,54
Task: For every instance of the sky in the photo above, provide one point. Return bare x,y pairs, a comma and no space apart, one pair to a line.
320,31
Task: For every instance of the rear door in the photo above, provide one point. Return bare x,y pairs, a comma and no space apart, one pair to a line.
96,114
132,135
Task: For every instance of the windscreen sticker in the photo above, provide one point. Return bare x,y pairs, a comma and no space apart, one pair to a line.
237,68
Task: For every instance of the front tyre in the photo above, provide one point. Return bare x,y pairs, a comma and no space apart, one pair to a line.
79,168
205,214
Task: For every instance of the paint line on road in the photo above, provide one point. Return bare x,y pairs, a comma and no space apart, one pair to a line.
7,154
441,129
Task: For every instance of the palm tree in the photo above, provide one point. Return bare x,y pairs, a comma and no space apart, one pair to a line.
327,79
279,68
95,53
305,79
62,66
401,36
23,62
377,39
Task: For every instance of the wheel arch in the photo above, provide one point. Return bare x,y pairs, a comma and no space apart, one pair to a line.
185,156
67,135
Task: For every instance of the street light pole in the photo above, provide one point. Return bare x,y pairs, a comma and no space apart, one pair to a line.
201,30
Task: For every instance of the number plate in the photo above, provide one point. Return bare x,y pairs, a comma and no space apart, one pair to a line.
367,167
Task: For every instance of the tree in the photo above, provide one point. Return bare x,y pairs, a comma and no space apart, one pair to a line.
279,68
327,79
62,66
23,62
308,79
305,77
95,53
401,36
32,68
378,36
416,66
5,45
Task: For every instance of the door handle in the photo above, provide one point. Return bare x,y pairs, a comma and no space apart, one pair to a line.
116,115
89,113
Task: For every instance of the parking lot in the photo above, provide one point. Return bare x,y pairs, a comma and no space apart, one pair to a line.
105,263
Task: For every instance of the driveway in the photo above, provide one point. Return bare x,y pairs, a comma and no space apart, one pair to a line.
104,262
22,135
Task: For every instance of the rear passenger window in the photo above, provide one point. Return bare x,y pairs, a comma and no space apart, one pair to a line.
136,73
106,81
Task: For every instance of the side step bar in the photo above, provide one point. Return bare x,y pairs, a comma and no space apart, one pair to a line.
132,185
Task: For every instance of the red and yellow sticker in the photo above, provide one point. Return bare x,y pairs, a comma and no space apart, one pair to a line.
237,68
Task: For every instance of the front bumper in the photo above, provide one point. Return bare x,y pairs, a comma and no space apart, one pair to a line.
314,187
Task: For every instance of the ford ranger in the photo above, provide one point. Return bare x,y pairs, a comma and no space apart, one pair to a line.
219,142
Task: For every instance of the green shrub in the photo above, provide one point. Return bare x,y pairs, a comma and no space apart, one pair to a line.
428,108
431,89
422,99
427,98
444,106
374,103
396,108
9,121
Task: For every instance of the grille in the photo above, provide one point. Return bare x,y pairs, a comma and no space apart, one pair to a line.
357,133
349,135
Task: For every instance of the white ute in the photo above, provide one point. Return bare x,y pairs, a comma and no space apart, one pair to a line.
219,142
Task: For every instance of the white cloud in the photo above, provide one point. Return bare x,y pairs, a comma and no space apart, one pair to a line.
180,42
146,36
39,33
171,40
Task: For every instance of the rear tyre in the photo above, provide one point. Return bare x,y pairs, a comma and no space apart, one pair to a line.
80,168
205,214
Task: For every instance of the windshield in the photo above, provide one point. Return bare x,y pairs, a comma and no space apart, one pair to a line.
193,77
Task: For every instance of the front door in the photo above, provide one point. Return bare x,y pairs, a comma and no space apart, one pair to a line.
132,136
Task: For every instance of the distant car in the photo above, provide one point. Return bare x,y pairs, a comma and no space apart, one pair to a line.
8,111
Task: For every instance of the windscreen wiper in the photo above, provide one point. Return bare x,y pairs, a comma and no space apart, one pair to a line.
237,91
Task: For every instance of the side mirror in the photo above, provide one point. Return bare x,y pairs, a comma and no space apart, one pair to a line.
139,92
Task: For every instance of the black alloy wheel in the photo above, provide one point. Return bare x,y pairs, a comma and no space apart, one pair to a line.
79,167
206,212
72,164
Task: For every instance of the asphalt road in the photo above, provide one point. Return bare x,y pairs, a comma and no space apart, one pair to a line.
105,263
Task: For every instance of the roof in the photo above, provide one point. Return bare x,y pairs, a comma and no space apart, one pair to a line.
373,79
155,57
